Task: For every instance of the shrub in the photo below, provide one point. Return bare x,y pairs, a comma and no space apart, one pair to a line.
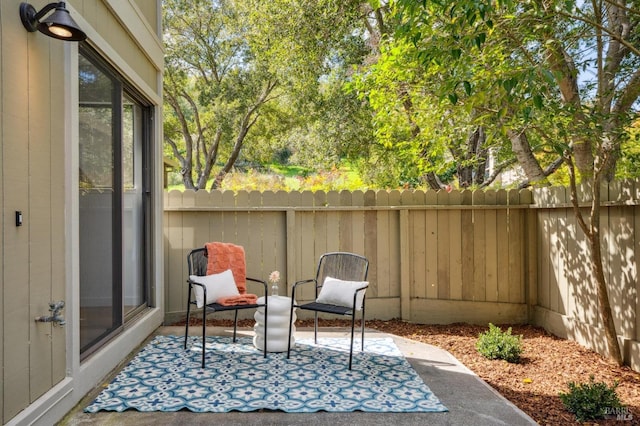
496,344
590,401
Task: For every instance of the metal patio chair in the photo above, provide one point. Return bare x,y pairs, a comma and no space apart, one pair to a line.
197,261
346,274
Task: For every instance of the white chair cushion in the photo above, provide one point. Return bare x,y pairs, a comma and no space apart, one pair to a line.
340,293
218,285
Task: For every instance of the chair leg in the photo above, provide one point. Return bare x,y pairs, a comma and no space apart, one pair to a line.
186,327
353,323
266,328
290,329
315,328
235,325
362,330
204,330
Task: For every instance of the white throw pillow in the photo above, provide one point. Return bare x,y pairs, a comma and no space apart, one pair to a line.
340,293
218,285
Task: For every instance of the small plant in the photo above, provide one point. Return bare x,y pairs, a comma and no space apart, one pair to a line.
496,344
591,401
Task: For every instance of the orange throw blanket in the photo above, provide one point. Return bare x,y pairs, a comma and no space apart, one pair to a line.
223,256
243,299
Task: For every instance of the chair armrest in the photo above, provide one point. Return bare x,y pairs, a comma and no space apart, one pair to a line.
355,295
192,283
297,283
264,284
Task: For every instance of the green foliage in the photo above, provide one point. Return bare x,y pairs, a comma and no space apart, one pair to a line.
260,82
521,68
287,178
496,344
590,401
629,164
213,86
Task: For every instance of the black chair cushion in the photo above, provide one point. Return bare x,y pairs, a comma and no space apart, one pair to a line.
218,307
323,307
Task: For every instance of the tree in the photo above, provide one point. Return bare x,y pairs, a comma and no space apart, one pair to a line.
214,88
422,134
567,85
312,46
259,72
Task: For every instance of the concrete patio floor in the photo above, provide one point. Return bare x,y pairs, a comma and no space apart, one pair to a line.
469,399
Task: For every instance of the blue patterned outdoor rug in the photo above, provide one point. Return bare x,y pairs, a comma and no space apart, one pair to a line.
165,377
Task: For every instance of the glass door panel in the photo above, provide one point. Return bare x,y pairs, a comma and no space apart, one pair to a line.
133,206
99,313
114,131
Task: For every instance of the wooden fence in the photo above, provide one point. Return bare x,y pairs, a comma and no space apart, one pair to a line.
565,296
436,257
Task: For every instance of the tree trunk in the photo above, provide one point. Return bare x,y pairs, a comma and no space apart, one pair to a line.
584,157
563,66
433,181
472,163
522,150
592,231
598,273
603,301
247,122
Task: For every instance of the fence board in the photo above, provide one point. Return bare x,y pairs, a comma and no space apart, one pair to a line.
242,220
622,290
308,259
443,232
176,294
371,241
394,246
253,243
433,252
543,256
492,258
383,233
478,224
467,248
357,199
503,247
334,233
226,221
293,260
418,253
516,256
455,247
272,228
346,223
554,256
563,262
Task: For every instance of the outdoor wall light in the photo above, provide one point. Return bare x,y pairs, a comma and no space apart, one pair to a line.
58,25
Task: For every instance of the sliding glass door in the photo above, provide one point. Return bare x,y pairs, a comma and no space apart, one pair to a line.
114,136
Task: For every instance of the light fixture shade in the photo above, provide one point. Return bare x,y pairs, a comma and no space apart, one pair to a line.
61,25
58,25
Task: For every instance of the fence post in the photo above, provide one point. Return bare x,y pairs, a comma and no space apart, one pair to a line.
291,260
405,266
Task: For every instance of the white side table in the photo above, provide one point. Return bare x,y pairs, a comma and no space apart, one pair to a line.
279,308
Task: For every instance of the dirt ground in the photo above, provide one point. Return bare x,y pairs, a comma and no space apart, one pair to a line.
547,364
